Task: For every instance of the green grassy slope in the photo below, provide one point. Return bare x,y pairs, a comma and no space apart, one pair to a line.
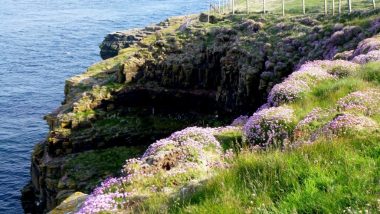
338,173
327,177
332,175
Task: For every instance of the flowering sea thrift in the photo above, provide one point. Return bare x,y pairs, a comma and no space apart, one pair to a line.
297,83
287,91
307,128
367,51
349,122
368,45
309,74
240,121
369,57
269,127
192,147
185,156
338,68
107,197
364,102
203,136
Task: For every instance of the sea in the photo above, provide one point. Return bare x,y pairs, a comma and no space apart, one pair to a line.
42,43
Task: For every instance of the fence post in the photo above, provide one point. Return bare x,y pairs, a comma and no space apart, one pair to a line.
374,4
209,12
283,7
246,5
264,6
325,7
233,7
349,6
303,7
340,7
333,7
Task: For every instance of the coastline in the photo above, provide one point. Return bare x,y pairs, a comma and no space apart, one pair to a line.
109,106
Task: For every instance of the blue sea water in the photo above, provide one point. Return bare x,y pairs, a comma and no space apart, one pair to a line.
42,43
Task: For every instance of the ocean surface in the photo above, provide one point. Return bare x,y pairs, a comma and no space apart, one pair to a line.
42,43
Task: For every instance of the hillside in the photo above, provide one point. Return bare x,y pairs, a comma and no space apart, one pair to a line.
310,82
315,150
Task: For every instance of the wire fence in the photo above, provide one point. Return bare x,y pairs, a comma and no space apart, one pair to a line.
284,7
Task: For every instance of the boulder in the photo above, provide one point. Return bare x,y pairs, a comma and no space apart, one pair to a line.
250,26
116,41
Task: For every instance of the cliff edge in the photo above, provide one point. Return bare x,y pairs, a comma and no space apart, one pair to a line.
182,72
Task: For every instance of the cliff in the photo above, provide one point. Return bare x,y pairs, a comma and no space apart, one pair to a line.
182,72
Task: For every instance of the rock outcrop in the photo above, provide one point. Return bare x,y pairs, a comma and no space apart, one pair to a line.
116,41
70,204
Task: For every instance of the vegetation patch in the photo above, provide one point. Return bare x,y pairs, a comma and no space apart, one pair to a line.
93,166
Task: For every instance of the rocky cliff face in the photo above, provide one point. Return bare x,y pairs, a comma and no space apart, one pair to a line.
182,72
116,41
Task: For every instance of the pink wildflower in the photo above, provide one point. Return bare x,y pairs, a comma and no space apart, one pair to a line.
269,127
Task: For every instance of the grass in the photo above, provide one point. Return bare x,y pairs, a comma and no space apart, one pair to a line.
327,93
321,178
371,73
230,139
338,175
95,165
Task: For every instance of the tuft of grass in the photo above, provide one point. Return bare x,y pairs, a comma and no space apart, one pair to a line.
327,93
230,140
324,177
370,72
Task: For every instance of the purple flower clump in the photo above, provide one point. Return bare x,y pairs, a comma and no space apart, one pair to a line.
308,128
371,56
287,91
337,68
368,45
109,196
364,102
299,82
367,50
345,122
309,74
269,127
240,121
192,150
204,136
